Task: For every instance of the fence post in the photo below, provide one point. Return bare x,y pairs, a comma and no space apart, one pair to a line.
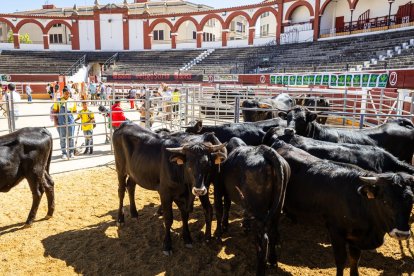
344,107
381,101
11,113
400,103
147,109
67,130
186,106
363,108
412,103
237,109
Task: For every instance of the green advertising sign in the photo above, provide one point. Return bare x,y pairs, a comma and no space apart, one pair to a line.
318,79
334,80
312,79
348,80
279,79
325,80
365,80
383,80
341,80
373,80
356,80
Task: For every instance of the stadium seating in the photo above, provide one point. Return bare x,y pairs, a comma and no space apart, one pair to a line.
324,55
44,62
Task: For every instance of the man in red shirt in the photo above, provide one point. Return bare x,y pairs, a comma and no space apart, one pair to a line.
117,115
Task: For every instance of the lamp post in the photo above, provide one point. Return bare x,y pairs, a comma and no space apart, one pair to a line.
350,23
389,13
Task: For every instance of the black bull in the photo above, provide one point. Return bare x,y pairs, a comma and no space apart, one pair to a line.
367,157
27,153
397,137
251,133
256,179
358,207
178,167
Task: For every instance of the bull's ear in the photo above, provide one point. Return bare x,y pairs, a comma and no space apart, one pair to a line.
198,126
178,159
368,190
310,116
282,115
219,157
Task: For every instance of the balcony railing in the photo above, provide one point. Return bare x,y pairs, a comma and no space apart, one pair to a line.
369,25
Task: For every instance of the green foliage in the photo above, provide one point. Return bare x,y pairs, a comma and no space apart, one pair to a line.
24,39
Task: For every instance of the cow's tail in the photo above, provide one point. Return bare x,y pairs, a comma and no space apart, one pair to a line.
280,178
49,158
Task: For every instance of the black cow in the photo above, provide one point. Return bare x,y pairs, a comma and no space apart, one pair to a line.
178,167
280,102
251,133
256,179
26,153
358,207
395,136
318,104
370,158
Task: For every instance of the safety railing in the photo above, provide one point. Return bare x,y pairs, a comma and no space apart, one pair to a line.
213,104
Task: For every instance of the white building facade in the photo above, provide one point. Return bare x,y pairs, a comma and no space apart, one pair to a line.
179,24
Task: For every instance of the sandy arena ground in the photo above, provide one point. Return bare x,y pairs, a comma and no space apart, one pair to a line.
82,238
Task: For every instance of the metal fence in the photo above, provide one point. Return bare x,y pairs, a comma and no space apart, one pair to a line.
216,104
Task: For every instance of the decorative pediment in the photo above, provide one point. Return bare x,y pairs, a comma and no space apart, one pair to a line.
111,7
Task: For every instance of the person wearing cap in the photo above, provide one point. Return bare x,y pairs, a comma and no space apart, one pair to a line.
65,109
117,114
132,95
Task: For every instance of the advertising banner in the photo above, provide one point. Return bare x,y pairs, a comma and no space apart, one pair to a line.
357,80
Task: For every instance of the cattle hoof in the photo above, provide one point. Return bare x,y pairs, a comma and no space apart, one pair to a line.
167,252
189,245
120,224
48,217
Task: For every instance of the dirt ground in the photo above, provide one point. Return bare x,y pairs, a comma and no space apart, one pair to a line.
82,238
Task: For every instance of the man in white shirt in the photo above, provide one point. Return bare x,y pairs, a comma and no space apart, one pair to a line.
29,93
11,97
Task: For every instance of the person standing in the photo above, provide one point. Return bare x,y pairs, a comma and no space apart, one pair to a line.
167,96
88,121
57,90
29,93
65,108
92,92
176,100
117,114
11,97
103,93
132,94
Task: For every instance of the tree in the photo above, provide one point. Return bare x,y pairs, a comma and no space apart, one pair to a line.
24,39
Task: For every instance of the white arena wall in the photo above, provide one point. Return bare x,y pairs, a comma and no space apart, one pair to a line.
112,36
86,35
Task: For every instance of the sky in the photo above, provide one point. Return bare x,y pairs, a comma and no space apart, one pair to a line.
7,6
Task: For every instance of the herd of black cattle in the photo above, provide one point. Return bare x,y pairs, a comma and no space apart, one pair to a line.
360,183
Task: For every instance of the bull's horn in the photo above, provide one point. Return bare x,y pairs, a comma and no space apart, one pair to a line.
176,150
369,179
214,148
264,105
